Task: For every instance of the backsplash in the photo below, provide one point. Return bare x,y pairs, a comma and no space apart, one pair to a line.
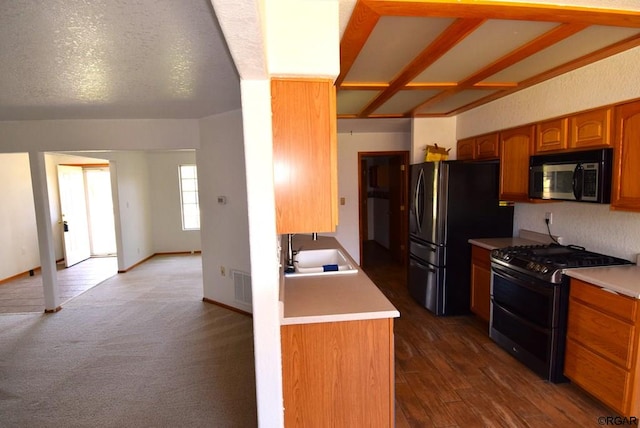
593,226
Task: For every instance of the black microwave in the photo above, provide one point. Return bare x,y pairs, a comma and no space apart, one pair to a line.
574,176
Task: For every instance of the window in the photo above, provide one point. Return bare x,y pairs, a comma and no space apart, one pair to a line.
189,197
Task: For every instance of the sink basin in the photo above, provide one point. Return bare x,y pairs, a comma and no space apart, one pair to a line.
321,262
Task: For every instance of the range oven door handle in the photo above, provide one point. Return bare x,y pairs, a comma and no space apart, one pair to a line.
519,281
520,319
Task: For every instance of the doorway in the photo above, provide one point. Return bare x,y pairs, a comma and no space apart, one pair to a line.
383,201
88,225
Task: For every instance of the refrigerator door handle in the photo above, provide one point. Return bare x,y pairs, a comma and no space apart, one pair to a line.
419,198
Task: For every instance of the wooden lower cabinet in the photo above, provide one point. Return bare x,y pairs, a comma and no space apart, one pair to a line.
338,374
602,346
480,282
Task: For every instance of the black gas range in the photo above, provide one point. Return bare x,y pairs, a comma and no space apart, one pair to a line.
530,301
546,262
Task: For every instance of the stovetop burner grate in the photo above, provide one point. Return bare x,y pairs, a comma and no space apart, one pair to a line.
547,261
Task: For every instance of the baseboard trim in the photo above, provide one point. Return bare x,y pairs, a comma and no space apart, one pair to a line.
231,308
53,311
177,253
136,265
26,272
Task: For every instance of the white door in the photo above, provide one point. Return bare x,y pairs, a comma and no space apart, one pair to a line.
74,214
102,233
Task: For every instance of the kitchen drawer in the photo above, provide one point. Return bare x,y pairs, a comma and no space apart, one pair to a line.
614,304
601,378
603,334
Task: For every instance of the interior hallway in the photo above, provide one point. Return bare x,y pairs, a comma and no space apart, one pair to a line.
25,293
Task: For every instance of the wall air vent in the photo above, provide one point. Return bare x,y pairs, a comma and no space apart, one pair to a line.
242,285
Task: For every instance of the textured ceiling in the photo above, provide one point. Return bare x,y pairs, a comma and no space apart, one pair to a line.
70,59
78,59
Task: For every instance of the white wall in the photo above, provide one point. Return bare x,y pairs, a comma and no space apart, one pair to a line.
164,187
429,131
18,235
132,207
224,228
121,134
348,147
605,82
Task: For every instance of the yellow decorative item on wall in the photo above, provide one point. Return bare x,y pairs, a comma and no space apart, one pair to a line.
434,153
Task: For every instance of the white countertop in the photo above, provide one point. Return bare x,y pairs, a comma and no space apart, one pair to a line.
525,237
315,299
493,243
621,279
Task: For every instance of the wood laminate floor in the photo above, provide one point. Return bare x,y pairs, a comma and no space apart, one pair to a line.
25,293
449,373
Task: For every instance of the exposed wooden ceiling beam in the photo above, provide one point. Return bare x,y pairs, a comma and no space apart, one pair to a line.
544,41
363,21
456,32
506,10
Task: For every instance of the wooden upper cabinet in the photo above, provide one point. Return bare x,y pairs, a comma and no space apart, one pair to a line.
590,129
482,147
551,135
466,149
516,146
304,155
487,146
625,192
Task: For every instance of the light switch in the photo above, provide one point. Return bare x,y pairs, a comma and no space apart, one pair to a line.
343,201
222,200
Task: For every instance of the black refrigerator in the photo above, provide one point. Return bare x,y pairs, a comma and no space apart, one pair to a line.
451,202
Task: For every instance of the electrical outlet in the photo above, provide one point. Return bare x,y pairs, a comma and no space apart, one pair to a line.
222,271
548,217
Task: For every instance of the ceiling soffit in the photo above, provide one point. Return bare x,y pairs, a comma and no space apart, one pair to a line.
440,58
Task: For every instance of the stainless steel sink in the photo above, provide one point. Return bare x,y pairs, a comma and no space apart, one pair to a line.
321,263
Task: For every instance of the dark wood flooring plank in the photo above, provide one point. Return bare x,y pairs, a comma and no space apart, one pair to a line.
449,373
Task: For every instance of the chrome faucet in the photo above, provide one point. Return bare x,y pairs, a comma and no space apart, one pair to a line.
290,253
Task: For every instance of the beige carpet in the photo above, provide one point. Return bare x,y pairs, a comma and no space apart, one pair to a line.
139,350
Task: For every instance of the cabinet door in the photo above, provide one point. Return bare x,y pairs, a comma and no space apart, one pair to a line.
304,155
625,192
338,374
590,129
551,135
487,146
480,282
601,378
515,149
466,149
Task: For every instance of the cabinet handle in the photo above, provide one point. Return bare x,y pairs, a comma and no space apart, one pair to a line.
610,291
